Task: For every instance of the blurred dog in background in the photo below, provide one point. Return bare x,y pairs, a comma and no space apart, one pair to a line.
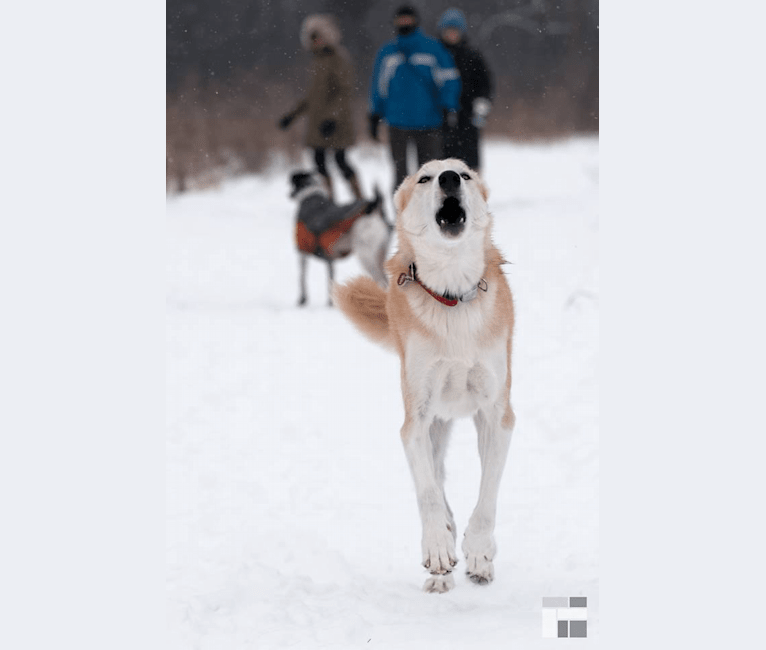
331,232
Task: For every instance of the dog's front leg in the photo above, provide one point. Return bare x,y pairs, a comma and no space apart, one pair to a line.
479,542
440,435
330,280
438,543
303,263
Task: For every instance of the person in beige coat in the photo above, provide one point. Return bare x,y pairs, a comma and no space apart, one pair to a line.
328,102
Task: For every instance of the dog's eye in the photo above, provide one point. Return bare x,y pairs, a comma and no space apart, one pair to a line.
424,179
465,176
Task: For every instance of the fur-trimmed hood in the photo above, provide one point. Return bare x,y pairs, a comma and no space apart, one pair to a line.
325,25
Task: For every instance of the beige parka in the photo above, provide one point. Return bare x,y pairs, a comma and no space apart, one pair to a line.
330,88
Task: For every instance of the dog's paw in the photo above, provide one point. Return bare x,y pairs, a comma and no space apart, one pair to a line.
479,549
480,570
439,584
439,550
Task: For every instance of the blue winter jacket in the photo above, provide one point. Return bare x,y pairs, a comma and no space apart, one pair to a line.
414,80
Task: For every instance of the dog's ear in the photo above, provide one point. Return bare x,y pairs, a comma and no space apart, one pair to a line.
403,194
299,180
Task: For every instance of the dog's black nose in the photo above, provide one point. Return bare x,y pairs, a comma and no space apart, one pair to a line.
449,181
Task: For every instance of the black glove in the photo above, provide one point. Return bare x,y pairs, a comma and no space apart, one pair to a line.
327,128
286,120
374,122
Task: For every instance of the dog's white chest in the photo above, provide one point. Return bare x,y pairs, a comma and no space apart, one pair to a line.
456,382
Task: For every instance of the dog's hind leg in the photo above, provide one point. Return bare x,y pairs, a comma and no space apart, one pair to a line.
303,263
479,542
438,543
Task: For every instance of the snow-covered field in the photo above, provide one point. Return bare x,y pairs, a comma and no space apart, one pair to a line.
291,517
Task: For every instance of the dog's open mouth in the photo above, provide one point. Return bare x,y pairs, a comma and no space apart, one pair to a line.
451,217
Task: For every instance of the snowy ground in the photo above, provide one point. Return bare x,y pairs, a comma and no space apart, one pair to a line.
291,517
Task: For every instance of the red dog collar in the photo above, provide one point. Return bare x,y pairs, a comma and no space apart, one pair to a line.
444,300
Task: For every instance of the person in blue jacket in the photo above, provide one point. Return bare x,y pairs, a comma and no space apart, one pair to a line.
415,89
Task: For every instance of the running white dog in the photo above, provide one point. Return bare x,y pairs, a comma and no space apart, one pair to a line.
449,315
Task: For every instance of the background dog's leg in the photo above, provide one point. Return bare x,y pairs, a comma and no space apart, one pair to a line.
304,262
479,542
372,262
380,262
330,280
438,544
369,242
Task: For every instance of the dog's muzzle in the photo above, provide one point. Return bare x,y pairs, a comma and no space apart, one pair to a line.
451,217
449,181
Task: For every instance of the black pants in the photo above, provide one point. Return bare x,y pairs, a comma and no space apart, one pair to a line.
427,142
462,142
340,159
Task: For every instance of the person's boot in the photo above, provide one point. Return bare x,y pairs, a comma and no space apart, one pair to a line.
353,182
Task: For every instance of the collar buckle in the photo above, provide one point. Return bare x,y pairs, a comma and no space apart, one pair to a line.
470,295
404,278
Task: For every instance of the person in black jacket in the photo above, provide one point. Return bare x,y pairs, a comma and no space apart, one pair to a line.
462,141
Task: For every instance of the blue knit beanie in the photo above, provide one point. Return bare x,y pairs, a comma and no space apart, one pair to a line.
453,18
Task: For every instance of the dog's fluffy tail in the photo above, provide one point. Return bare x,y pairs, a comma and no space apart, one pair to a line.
364,302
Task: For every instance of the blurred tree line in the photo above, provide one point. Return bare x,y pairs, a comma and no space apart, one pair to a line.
234,66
